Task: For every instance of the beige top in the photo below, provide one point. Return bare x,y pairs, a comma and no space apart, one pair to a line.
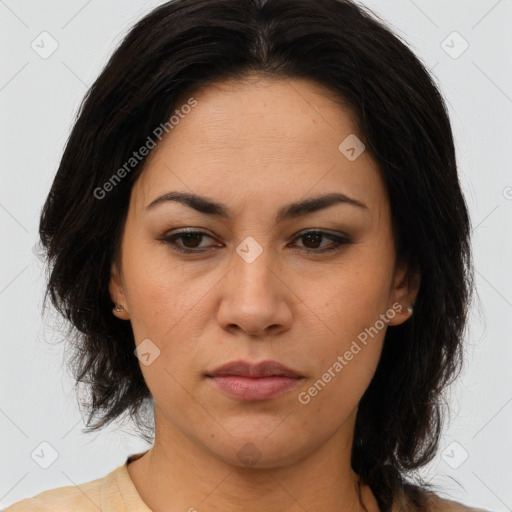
116,492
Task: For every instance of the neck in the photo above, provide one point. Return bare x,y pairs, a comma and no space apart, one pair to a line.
179,475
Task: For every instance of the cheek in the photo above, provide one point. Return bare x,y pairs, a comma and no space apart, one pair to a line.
344,370
167,308
159,292
350,299
352,330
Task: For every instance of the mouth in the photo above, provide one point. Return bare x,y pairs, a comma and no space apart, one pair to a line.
254,382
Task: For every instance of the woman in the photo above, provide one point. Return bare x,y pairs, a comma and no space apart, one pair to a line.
258,231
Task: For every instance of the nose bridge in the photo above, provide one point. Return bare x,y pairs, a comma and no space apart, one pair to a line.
253,264
253,297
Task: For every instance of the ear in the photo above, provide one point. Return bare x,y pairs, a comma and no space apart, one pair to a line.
116,290
403,294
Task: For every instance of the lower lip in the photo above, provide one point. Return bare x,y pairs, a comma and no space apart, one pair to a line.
254,388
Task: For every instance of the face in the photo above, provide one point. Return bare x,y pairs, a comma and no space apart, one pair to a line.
313,288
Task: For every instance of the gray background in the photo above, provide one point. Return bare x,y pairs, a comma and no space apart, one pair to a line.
39,98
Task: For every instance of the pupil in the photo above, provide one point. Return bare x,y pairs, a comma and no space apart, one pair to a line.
189,236
313,236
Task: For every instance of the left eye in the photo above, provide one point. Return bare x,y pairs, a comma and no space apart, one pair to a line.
312,237
192,240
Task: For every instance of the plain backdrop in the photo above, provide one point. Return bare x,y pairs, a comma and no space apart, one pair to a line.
465,43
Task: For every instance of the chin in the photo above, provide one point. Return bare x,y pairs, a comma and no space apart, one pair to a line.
264,449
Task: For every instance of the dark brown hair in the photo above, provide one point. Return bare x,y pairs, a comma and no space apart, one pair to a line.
187,44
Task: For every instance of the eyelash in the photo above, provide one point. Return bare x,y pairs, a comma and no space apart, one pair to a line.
339,241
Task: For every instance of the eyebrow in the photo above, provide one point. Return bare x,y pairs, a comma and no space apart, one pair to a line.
292,210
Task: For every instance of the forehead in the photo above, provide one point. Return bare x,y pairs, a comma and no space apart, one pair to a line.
259,138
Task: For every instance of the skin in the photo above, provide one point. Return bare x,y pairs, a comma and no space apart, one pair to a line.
257,145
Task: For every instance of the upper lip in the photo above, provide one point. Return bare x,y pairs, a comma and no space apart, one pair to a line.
245,369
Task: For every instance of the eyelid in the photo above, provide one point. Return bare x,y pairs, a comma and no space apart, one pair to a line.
169,238
338,240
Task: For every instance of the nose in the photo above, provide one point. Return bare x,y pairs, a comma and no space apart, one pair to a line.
256,299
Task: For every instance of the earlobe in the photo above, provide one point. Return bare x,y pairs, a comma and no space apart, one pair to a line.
116,290
120,312
403,295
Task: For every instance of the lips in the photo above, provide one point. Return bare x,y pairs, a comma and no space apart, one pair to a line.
263,369
254,382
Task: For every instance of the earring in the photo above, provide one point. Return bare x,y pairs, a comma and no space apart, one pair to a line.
118,308
410,309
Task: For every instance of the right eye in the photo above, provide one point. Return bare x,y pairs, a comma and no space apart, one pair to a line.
189,238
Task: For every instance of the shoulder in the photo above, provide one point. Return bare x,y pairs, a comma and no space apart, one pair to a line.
418,499
85,497
438,504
